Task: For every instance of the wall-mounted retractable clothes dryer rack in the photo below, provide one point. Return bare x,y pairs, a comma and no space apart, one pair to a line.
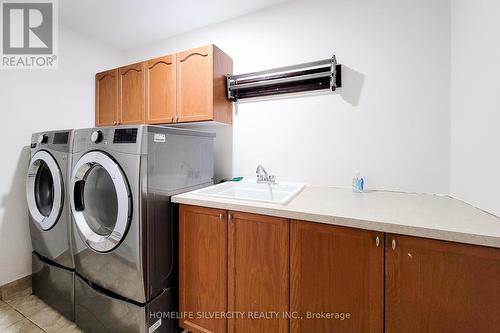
312,76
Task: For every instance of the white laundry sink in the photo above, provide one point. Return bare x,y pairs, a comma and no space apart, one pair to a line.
280,193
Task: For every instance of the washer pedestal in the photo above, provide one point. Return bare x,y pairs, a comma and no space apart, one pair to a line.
53,285
97,312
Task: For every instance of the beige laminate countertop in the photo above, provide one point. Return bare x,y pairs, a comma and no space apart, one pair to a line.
423,215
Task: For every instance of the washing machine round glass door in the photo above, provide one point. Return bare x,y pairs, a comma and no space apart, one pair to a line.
44,190
100,201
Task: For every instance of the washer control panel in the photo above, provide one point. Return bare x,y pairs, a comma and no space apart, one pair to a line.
60,138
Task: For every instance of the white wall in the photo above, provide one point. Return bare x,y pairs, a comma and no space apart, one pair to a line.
391,120
475,106
37,100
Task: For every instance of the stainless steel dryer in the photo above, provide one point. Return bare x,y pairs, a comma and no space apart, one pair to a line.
124,230
52,259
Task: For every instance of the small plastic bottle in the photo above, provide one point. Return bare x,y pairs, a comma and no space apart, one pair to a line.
358,183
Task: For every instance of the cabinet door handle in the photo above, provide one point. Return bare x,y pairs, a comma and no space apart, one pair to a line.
176,118
393,245
221,217
377,241
229,217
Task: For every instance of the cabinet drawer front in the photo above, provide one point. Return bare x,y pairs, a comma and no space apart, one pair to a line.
195,85
131,94
202,267
161,90
336,272
438,287
258,272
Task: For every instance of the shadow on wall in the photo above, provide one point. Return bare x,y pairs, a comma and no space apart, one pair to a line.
352,85
15,244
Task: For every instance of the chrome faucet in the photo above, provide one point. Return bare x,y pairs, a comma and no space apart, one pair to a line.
263,176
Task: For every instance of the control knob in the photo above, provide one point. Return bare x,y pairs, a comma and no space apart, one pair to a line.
96,137
43,138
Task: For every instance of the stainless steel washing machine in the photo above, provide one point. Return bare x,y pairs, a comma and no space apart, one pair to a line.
49,219
124,229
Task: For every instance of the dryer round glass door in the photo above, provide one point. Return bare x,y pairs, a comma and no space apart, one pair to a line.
100,201
44,190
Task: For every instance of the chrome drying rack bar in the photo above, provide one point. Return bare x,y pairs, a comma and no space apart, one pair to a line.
312,76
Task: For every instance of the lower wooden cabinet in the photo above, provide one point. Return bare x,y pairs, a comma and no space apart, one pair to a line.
269,274
258,273
233,263
202,268
441,287
337,279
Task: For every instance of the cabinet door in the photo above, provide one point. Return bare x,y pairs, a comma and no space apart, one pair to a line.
336,272
195,84
202,268
131,94
440,287
258,272
161,90
106,98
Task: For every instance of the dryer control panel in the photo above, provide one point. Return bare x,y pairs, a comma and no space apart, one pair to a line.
125,135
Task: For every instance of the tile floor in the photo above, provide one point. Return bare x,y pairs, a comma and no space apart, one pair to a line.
28,314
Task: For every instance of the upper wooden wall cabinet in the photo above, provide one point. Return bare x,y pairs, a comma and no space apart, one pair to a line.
106,98
161,98
185,87
201,85
131,94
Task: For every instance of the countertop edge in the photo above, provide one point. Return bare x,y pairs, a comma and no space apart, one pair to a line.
344,221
